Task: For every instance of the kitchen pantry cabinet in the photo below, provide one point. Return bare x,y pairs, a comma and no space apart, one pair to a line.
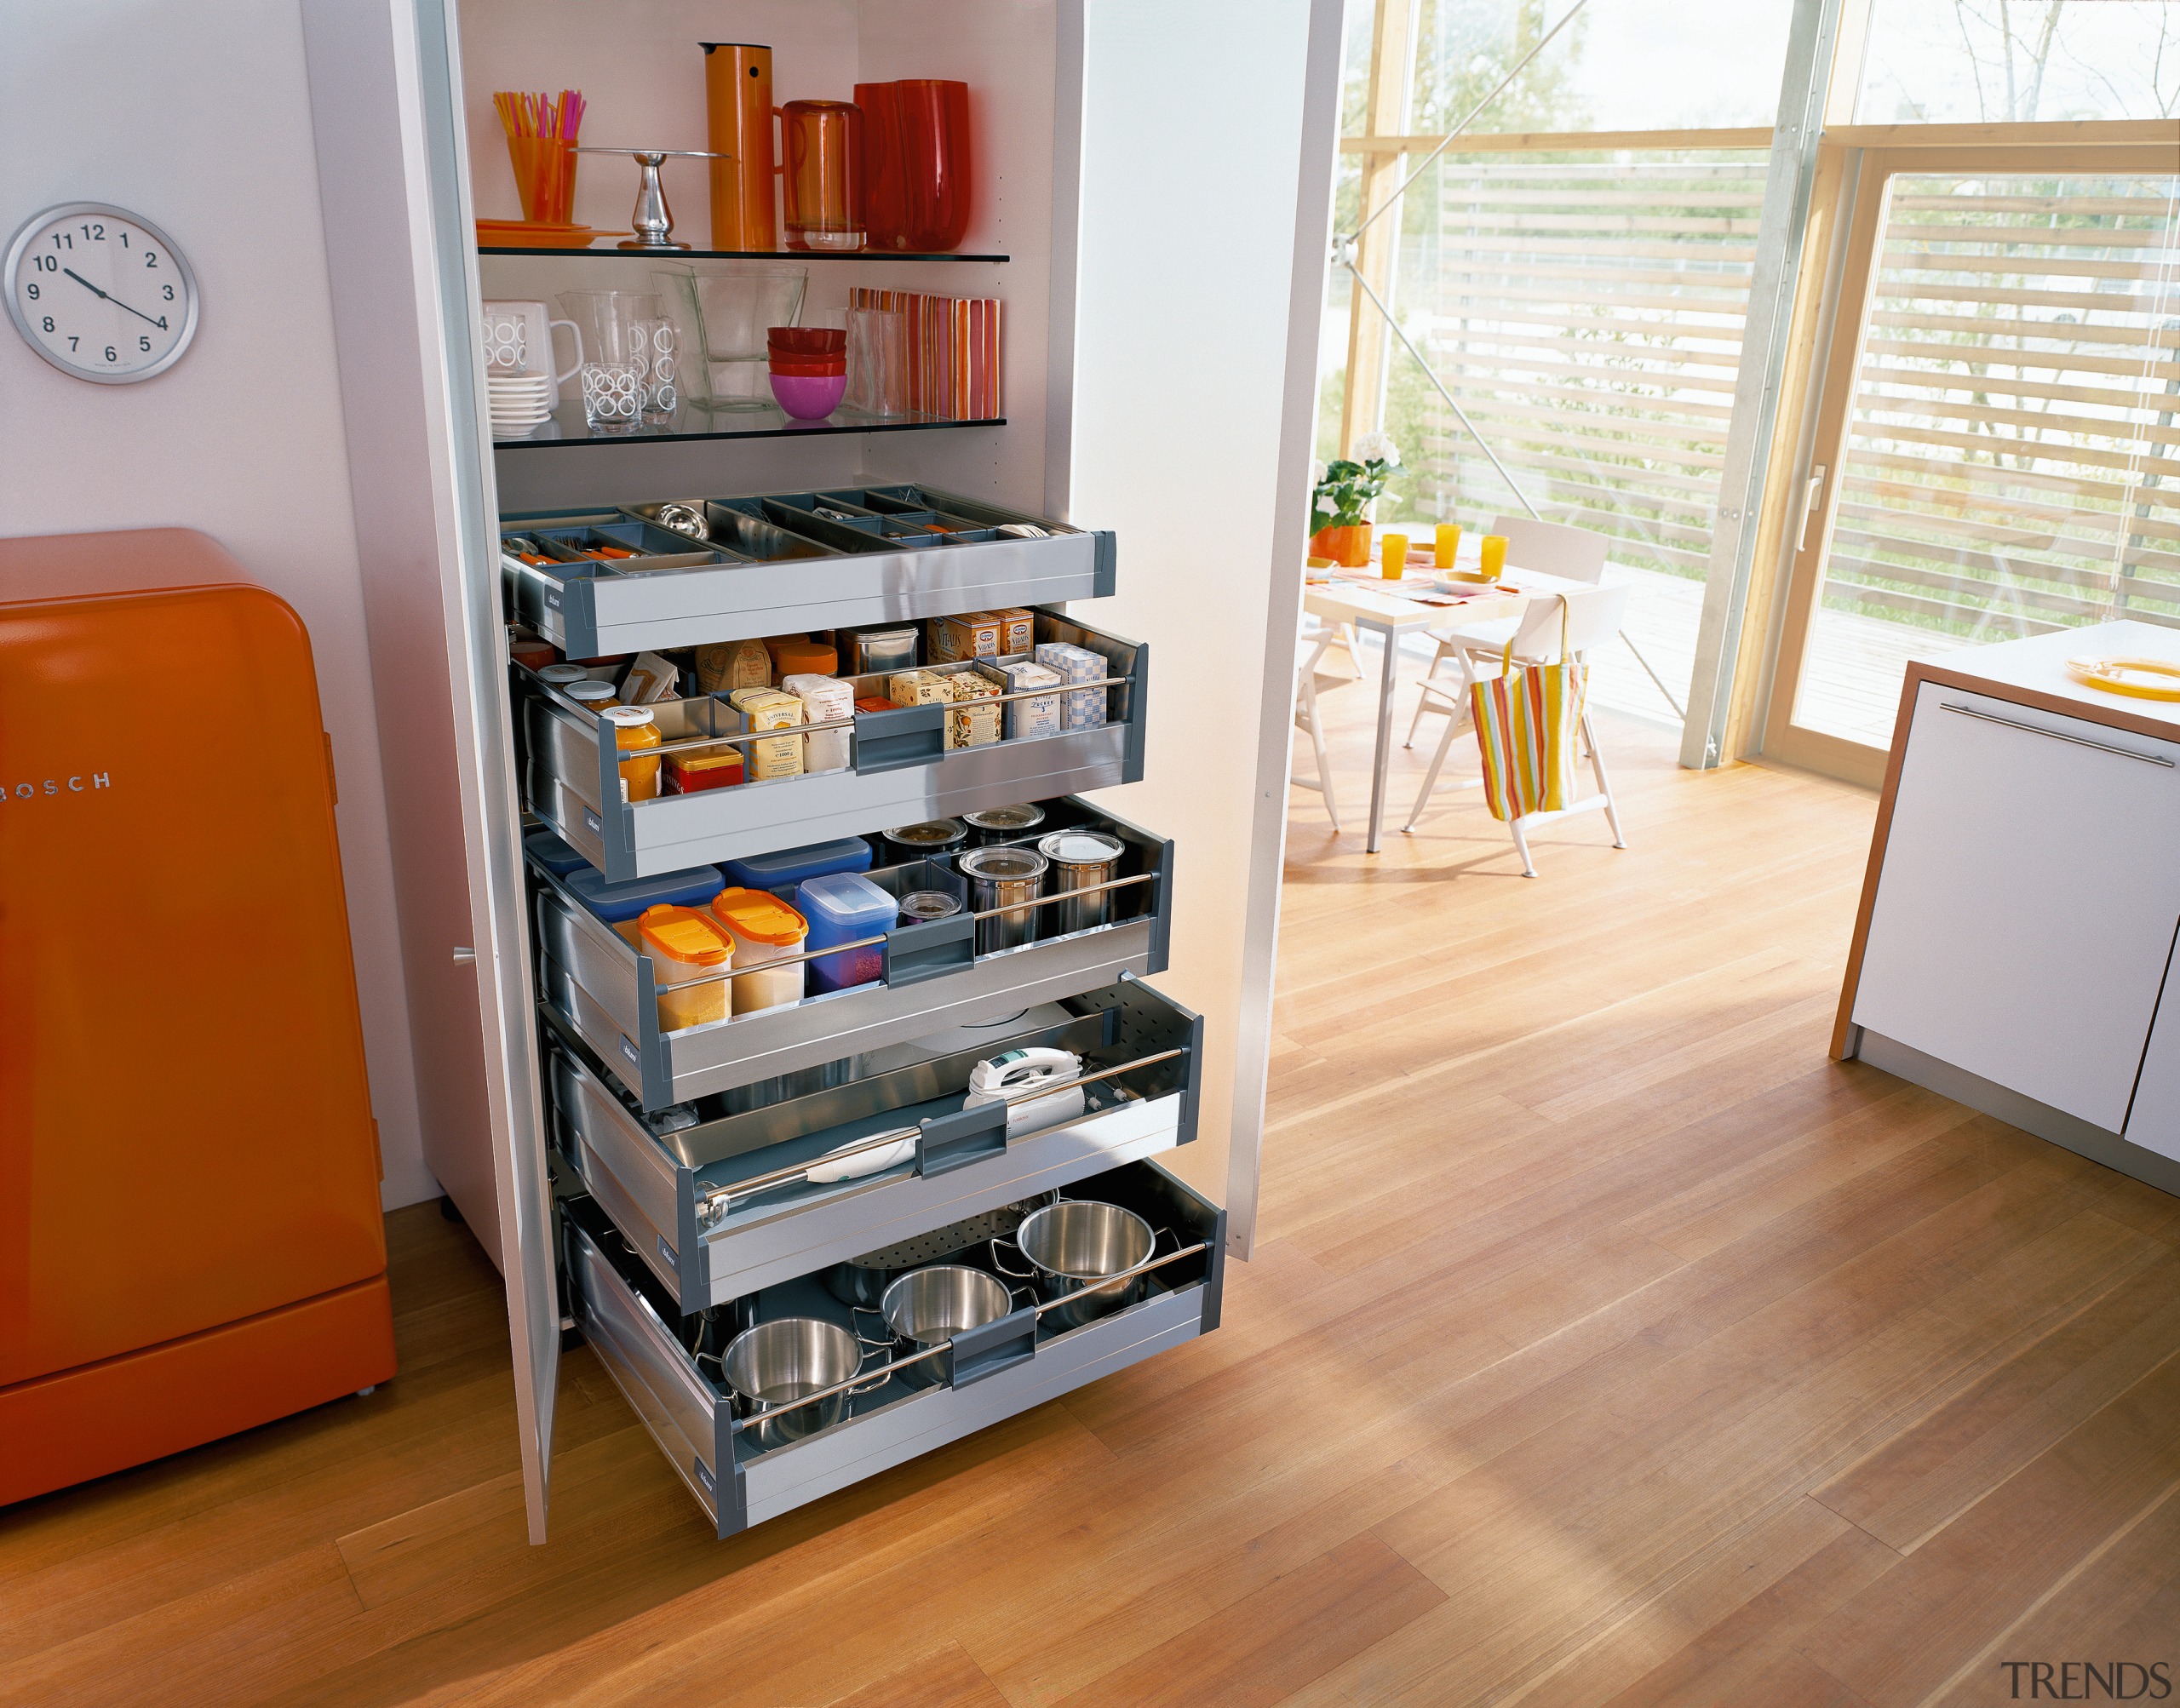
658,1191
2024,893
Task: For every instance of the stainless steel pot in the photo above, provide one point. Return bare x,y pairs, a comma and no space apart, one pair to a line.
1003,876
1070,1247
770,1367
1082,859
928,1305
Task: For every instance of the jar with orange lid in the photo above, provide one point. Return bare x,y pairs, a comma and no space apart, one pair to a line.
635,728
685,945
763,928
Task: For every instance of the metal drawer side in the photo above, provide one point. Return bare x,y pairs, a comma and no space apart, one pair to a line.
647,1192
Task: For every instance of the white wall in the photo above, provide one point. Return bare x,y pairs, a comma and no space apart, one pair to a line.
1188,238
195,116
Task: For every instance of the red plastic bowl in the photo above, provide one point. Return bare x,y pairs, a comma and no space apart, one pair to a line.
807,340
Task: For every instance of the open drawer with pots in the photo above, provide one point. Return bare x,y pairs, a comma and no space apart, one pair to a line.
896,768
1114,917
782,561
738,1189
802,1386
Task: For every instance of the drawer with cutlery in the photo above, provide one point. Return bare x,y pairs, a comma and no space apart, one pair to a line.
953,949
789,1390
971,741
770,564
736,1190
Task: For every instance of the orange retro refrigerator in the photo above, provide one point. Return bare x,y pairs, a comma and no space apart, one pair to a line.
189,1235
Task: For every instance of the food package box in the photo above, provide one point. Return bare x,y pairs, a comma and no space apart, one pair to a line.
1039,715
975,720
824,699
769,709
919,688
651,680
704,768
1017,630
722,669
974,634
1085,708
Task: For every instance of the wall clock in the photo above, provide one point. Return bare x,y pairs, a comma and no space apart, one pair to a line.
100,293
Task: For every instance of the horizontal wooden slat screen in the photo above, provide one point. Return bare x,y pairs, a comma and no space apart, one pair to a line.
2013,456
1587,312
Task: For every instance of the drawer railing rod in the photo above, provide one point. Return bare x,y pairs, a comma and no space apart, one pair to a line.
867,1379
756,967
878,1141
2056,735
744,738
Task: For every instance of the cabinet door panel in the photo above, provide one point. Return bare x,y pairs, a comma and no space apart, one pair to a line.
2027,902
2154,1122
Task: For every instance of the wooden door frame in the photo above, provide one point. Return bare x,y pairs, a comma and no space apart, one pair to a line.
1992,150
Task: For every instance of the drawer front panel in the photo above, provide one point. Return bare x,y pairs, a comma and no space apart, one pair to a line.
2027,900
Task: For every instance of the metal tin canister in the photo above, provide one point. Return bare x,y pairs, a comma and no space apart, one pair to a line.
1003,823
910,842
1080,860
1003,876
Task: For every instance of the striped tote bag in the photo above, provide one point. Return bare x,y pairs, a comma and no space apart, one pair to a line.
1526,720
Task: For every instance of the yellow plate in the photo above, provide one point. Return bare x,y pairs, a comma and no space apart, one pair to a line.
2145,679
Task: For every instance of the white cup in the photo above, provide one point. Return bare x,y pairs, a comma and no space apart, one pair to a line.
517,338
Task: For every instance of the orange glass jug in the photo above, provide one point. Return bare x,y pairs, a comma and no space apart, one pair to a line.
821,175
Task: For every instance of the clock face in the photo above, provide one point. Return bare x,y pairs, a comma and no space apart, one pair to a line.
100,293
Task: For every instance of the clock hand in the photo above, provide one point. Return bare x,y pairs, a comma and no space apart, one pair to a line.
108,297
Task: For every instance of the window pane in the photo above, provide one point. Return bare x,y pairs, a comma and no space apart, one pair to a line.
1998,61
2013,460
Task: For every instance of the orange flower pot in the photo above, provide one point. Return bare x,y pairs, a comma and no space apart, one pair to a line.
1349,547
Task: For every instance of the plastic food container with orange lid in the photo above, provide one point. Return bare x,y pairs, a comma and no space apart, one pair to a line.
634,727
763,928
700,769
685,944
795,654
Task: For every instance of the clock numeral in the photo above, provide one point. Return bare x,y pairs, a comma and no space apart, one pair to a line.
63,240
31,291
109,356
46,263
149,260
143,343
161,322
49,322
73,342
124,240
96,233
166,293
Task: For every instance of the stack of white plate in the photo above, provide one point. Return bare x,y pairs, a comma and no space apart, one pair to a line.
521,403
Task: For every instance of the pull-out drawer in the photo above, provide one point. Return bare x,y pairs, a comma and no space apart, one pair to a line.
714,1195
668,1364
806,571
897,772
932,975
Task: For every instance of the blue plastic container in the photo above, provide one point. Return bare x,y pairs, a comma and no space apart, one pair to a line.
784,866
553,854
614,902
841,906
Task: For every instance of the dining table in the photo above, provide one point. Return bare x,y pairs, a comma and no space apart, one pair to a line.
1390,607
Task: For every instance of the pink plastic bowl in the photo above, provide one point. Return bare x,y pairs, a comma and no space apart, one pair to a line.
809,397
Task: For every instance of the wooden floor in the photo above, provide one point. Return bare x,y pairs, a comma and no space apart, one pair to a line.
1604,1343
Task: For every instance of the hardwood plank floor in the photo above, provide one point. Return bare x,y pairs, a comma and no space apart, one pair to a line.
1605,1342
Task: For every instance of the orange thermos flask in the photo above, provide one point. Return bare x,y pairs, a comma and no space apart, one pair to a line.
738,107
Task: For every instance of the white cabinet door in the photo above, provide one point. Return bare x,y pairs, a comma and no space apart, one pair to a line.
2154,1122
2026,906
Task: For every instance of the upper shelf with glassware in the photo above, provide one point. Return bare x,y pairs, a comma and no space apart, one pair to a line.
627,250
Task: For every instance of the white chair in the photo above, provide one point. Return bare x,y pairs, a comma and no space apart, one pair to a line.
1550,548
1343,636
1306,718
1590,617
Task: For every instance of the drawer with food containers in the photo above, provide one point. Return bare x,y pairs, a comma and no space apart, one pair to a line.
862,941
732,1191
789,1390
622,579
665,761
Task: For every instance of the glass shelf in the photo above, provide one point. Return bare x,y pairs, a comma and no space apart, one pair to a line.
608,249
566,426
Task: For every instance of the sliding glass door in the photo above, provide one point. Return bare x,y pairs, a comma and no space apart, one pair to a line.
1997,442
